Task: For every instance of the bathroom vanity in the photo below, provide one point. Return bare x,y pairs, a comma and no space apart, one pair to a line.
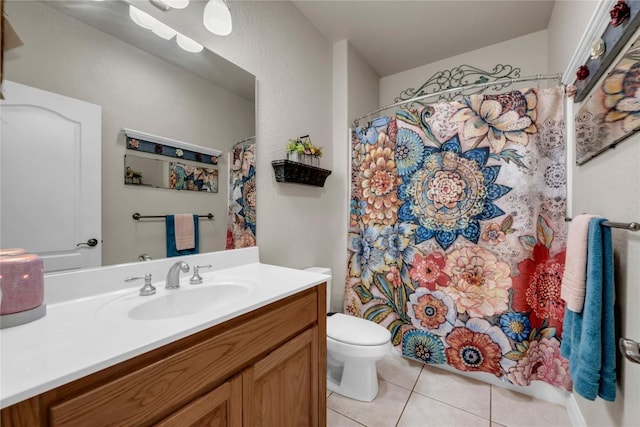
259,363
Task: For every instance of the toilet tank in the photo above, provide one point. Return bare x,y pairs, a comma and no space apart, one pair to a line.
327,271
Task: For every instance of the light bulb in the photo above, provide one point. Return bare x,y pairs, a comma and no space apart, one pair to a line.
150,23
141,18
188,44
163,30
217,18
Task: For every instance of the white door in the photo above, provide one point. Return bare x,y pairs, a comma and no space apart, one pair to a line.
50,177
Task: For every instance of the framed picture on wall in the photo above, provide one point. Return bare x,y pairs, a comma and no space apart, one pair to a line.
612,112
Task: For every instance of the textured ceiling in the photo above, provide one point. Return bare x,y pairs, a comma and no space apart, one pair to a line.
395,36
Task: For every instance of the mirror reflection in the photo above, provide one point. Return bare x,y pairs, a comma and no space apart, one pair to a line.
92,54
175,175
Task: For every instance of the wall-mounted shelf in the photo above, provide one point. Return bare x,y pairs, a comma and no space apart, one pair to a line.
154,144
299,173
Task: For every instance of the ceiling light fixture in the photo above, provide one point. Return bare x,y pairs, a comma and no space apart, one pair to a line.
141,18
217,17
161,29
176,4
188,44
147,21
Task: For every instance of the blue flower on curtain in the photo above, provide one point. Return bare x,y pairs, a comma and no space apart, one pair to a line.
451,193
409,152
515,325
395,243
369,135
423,346
366,258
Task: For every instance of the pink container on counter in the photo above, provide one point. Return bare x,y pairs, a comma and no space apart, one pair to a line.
22,286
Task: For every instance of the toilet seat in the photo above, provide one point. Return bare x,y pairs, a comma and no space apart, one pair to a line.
356,331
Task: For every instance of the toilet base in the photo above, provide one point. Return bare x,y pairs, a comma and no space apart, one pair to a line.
356,379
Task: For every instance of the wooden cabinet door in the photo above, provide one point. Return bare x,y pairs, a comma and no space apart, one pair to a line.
221,407
282,389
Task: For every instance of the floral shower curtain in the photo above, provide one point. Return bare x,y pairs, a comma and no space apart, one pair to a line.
241,223
457,235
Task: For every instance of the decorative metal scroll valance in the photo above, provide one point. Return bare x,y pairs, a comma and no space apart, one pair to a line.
459,77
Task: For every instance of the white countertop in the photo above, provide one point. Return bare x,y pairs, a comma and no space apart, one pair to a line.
81,336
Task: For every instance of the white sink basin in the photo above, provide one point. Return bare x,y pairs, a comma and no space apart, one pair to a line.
190,300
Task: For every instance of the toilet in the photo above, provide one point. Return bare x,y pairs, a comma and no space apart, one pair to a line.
353,347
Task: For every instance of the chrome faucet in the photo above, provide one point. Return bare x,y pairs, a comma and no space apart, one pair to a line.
173,276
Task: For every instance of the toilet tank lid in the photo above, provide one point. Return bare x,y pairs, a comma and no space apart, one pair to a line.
357,331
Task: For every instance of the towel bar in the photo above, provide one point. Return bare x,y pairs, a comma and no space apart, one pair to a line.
632,226
137,216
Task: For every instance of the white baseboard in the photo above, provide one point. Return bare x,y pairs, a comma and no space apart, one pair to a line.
575,415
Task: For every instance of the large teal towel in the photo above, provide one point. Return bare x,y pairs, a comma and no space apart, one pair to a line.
171,237
588,339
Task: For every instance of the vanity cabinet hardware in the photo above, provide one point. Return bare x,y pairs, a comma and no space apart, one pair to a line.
196,279
148,288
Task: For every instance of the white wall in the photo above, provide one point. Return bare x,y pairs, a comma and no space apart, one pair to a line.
355,91
608,185
529,53
292,62
138,91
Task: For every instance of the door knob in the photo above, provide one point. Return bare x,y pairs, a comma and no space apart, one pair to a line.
91,243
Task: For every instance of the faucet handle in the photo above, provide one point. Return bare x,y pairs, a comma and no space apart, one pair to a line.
196,279
148,288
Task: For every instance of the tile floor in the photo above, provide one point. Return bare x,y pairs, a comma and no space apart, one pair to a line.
415,395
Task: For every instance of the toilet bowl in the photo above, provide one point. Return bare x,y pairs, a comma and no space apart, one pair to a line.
353,347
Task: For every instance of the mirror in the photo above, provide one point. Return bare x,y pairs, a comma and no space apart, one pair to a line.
175,175
92,51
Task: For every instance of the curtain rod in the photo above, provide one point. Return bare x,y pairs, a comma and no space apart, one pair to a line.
538,77
244,140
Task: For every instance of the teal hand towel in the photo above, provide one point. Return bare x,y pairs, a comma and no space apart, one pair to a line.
589,337
172,251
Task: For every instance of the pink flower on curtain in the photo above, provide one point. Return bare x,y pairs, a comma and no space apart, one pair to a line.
542,362
479,282
537,289
429,271
393,276
493,234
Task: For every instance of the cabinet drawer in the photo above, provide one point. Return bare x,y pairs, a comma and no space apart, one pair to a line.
220,407
147,395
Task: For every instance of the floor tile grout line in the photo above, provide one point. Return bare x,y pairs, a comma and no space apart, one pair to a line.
455,407
490,404
403,408
355,421
410,394
415,383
